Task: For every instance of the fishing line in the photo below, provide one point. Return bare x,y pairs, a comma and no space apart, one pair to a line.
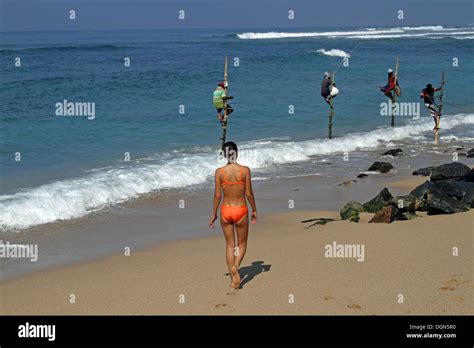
457,107
350,56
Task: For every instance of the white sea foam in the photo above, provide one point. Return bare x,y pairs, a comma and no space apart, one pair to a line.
432,31
455,35
77,197
261,178
449,138
334,53
282,35
423,27
427,27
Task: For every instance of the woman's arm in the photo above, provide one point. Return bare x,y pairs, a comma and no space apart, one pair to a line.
249,195
217,199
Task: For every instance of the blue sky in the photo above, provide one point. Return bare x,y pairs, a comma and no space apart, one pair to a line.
150,14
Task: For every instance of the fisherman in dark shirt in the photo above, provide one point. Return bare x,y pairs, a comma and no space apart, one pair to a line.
328,90
428,97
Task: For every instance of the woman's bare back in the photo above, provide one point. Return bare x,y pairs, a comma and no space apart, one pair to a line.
233,179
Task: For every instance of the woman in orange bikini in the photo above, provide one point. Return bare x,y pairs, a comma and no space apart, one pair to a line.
234,181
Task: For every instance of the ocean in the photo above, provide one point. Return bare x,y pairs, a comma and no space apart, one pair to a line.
73,165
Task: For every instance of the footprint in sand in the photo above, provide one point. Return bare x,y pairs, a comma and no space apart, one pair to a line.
453,283
219,305
351,306
231,294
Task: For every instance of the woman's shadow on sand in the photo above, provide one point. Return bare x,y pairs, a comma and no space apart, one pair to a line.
247,273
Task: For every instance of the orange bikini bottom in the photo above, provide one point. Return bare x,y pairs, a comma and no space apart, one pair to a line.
233,214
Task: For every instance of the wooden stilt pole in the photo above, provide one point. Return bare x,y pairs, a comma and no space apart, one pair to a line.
224,123
392,121
224,133
331,108
393,98
331,113
440,109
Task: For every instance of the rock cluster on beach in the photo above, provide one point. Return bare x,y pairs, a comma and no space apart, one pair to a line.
450,190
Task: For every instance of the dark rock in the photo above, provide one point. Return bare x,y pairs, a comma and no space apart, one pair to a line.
449,171
459,148
362,176
378,202
398,208
382,167
351,211
468,197
470,153
391,213
408,215
420,191
460,191
393,152
424,171
347,182
450,188
438,202
436,197
406,204
469,177
462,154
385,215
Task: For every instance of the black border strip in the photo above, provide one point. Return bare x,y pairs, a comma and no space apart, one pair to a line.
141,330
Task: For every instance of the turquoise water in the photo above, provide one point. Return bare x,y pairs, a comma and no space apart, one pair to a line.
71,165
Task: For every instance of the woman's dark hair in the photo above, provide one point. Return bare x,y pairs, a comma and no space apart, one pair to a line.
230,151
429,86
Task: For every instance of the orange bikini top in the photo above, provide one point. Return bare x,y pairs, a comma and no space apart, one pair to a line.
240,182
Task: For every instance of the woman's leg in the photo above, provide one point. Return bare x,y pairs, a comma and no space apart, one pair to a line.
228,230
242,229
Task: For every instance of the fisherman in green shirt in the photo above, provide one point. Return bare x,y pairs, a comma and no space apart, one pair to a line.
218,99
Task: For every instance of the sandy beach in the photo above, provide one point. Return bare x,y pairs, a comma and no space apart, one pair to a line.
177,266
285,271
